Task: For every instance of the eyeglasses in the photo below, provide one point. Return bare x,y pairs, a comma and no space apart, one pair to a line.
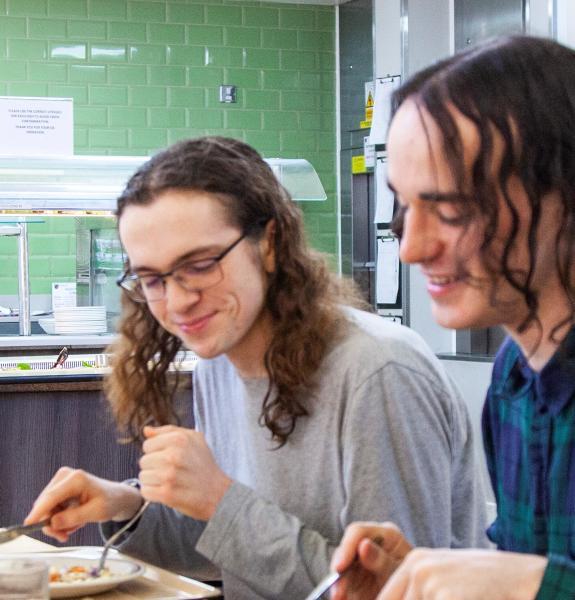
193,276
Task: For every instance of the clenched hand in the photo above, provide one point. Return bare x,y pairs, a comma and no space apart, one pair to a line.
178,469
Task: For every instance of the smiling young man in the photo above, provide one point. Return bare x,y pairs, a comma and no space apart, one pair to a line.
309,414
481,154
228,321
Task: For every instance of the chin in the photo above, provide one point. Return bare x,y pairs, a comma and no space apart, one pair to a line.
464,319
450,319
202,350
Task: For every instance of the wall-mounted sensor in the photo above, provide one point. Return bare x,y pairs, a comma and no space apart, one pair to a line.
228,93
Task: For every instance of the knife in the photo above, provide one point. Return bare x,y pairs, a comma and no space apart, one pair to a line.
62,358
14,531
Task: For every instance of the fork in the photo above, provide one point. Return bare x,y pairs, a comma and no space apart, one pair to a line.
332,578
110,542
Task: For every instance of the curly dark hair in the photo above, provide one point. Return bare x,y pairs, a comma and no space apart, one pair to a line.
523,89
303,297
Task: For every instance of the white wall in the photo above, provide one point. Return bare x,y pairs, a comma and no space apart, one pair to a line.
387,37
427,31
566,22
539,18
430,34
472,379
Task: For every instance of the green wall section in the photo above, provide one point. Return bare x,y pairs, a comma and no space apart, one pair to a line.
145,73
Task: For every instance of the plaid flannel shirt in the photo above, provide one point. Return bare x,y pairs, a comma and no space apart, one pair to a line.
529,437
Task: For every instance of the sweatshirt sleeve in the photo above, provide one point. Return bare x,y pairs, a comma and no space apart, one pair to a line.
268,549
167,538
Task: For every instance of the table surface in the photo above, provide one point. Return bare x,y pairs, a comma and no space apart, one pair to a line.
155,584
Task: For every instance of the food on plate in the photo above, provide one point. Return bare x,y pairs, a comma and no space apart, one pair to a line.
75,573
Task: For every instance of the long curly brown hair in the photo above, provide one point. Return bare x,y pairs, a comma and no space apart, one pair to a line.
523,89
304,298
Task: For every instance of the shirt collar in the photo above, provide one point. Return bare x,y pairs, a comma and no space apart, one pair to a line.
555,383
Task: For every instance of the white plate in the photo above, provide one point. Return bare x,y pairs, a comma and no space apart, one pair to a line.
79,311
122,570
59,327
76,318
79,318
47,325
79,327
72,309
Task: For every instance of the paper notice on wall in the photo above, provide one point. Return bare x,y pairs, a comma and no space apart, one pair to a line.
387,273
384,197
369,153
36,126
382,108
63,295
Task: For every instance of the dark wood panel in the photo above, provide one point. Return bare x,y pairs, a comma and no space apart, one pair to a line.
41,431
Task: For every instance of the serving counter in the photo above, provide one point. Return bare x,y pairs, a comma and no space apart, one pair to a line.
49,342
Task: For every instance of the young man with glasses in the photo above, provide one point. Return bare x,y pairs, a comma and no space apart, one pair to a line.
308,413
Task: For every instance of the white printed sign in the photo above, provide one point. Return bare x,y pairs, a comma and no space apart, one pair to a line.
63,295
382,109
36,126
387,272
384,197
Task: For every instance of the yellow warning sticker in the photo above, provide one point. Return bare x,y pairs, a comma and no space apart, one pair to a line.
369,106
369,101
358,165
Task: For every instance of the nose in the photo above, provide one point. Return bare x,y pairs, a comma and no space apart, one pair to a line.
420,239
178,299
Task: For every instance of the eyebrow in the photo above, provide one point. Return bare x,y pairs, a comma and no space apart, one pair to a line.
435,196
181,259
443,196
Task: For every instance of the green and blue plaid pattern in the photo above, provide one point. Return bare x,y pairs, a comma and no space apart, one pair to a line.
529,437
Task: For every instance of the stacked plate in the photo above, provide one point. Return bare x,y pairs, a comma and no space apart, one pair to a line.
80,319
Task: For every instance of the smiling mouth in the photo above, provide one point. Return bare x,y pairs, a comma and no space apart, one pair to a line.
443,279
447,282
196,323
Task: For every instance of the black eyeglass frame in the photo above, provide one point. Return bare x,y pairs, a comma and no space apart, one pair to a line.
128,276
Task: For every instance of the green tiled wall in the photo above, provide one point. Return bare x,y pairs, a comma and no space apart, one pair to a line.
145,73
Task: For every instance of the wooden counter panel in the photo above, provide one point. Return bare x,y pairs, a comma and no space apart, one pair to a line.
51,386
42,430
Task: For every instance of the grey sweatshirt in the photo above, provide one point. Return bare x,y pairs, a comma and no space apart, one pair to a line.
388,438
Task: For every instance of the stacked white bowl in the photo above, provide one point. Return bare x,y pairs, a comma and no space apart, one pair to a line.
80,319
